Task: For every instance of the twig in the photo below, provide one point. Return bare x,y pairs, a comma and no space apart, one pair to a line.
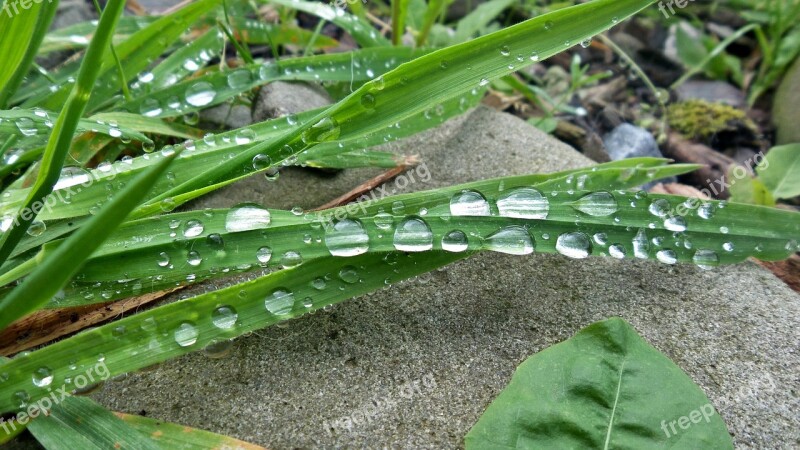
369,185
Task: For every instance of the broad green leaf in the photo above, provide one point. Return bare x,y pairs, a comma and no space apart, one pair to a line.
173,436
80,423
361,30
64,262
604,388
63,130
780,171
750,190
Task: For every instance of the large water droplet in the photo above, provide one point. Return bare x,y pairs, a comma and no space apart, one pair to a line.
349,275
193,228
347,238
641,246
186,334
706,210
659,208
200,94
326,129
524,203
42,377
469,203
617,251
280,302
706,259
246,218
598,204
455,241
667,256
574,245
72,176
264,254
224,317
239,78
675,223
413,235
512,240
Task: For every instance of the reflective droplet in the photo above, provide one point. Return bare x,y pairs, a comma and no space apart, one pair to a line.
163,259
280,302
617,251
326,129
246,218
239,78
597,204
264,254
349,275
675,223
224,317
193,228
244,137
193,258
728,246
384,221
42,377
200,94
455,242
36,228
512,240
641,246
469,203
347,238
186,334
291,259
524,203
667,256
368,101
413,235
706,211
659,208
261,162
574,245
706,259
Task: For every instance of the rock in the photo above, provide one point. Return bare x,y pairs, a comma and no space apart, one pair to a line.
281,98
711,91
629,141
227,116
786,109
153,6
458,334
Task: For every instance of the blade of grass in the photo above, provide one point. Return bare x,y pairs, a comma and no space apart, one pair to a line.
432,12
51,275
58,146
399,12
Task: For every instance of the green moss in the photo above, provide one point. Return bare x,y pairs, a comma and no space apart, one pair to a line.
700,119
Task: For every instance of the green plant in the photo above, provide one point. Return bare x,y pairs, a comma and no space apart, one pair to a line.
383,92
776,178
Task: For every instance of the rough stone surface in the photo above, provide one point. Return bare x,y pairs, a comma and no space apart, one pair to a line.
712,91
466,328
281,98
227,116
630,141
786,109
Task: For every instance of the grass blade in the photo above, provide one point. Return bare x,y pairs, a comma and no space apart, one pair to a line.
58,146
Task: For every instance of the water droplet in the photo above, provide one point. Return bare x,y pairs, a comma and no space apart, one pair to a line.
26,126
193,228
368,101
548,25
319,283
245,136
42,377
586,43
349,275
194,258
535,57
484,82
512,240
706,259
706,211
326,129
659,208
163,259
150,107
36,228
186,334
72,176
347,238
413,235
728,246
469,203
667,256
598,204
524,203
239,78
200,94
505,51
675,223
641,246
600,239
724,230
247,217
280,302
384,221
455,241
617,251
224,317
264,254
574,245
291,259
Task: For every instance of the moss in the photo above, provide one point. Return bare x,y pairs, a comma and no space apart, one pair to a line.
702,120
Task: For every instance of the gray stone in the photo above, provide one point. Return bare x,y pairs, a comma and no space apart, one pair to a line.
629,141
281,98
711,91
227,116
457,335
786,109
154,6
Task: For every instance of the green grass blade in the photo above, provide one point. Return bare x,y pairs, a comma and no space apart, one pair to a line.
361,30
427,81
170,435
58,146
260,33
399,12
42,13
478,19
80,423
432,12
184,61
66,260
